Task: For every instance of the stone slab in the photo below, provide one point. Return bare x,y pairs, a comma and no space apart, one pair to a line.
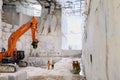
20,75
3,77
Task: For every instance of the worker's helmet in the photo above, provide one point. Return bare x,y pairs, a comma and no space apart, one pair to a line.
34,20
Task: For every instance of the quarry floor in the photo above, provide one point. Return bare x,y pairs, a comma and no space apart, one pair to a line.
62,71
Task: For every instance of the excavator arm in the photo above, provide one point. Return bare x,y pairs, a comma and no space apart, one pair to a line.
17,34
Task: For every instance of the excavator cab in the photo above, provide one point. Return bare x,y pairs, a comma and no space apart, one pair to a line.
19,55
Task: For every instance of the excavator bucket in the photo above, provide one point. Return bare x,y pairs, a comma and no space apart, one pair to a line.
35,43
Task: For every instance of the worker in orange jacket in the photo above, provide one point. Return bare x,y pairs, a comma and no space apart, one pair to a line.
49,64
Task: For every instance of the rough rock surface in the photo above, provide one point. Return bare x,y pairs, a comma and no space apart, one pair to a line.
101,43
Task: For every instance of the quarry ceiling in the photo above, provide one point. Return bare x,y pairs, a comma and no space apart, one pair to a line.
69,6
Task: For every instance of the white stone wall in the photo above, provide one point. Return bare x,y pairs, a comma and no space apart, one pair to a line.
102,40
49,33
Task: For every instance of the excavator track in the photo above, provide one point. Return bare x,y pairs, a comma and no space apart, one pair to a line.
8,68
22,64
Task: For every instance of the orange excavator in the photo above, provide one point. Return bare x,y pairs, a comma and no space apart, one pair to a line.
11,57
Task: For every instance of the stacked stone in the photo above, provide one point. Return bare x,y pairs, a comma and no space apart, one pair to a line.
19,75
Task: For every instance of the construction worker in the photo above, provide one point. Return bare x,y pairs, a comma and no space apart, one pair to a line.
49,64
53,63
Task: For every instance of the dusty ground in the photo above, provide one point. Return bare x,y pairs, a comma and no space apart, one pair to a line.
61,71
75,77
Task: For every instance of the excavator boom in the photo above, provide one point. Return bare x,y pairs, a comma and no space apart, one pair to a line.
16,35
